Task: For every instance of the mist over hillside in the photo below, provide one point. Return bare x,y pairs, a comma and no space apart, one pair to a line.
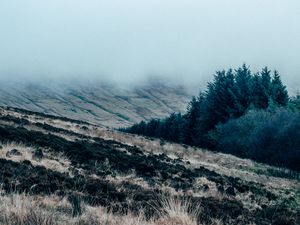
101,102
126,41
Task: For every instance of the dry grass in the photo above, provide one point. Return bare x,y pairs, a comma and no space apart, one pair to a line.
132,178
223,164
179,212
57,162
21,209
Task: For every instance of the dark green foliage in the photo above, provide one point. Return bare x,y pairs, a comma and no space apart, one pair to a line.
278,92
294,103
266,81
230,95
243,89
221,103
268,137
191,120
260,97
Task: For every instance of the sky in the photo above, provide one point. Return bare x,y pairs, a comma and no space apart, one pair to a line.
128,40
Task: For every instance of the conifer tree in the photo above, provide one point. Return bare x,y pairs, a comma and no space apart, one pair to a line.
230,95
191,119
242,89
294,103
279,92
266,80
260,98
221,100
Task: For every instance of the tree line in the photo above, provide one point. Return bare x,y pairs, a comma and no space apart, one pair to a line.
237,96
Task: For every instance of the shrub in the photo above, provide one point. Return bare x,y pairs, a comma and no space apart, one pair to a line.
268,137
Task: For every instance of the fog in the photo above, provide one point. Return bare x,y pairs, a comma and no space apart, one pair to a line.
129,40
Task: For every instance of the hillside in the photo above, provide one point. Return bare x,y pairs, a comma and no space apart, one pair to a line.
61,171
96,102
241,112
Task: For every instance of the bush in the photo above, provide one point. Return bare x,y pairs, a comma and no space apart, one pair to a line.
268,137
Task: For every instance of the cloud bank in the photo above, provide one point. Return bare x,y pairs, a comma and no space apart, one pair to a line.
127,40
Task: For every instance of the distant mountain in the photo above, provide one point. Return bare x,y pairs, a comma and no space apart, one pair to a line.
99,103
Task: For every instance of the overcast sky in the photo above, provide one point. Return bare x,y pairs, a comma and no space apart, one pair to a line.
131,39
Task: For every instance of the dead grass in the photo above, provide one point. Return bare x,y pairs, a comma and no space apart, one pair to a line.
57,162
179,212
223,164
131,178
22,209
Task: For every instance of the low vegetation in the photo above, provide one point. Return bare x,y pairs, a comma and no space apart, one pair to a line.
20,209
56,171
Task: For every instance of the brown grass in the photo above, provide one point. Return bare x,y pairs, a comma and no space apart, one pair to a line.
57,162
21,209
179,212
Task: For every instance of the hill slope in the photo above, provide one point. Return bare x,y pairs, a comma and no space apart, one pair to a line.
89,174
97,102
